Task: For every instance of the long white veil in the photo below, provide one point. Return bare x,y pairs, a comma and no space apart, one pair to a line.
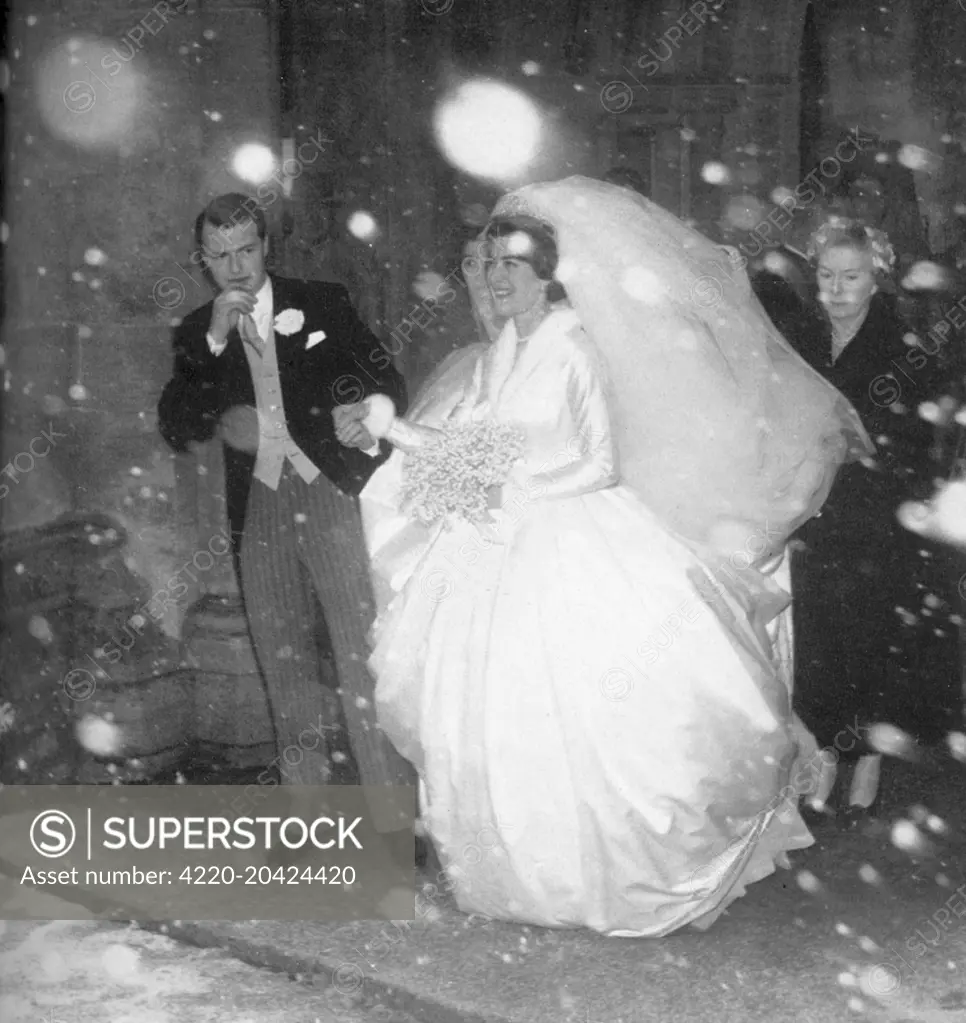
723,430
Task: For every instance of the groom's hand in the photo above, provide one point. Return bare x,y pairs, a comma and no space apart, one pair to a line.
238,428
227,309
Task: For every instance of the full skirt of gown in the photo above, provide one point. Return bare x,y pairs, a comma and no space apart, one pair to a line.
595,747
602,730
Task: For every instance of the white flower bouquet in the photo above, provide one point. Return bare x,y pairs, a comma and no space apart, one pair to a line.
449,477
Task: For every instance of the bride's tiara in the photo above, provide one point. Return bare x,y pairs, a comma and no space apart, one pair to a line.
514,205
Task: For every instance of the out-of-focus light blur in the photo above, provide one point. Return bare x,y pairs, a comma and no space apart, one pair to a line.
363,226
253,163
488,130
715,173
927,276
86,95
744,212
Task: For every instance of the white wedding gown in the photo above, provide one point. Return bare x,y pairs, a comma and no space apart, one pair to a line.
602,740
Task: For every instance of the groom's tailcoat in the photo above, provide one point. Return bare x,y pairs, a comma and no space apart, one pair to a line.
299,537
347,365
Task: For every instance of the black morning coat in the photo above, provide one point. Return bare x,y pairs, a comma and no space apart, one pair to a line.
347,365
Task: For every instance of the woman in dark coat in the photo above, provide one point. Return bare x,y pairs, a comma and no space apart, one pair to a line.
872,601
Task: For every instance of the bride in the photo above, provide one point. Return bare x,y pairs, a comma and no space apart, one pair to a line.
589,681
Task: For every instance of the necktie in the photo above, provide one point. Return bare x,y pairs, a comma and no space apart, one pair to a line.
249,333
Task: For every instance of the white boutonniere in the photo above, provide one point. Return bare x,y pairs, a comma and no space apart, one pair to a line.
289,321
315,338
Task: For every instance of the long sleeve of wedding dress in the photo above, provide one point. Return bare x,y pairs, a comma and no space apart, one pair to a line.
588,460
408,436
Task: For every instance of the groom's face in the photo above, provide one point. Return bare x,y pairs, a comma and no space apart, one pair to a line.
235,255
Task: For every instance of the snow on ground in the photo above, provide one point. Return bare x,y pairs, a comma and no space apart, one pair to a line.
93,972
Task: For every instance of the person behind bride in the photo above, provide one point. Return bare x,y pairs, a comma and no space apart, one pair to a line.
873,599
583,673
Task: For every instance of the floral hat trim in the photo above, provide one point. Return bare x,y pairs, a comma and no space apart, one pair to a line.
839,230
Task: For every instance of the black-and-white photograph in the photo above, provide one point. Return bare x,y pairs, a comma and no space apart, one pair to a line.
483,511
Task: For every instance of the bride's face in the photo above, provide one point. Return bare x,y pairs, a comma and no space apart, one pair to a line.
512,281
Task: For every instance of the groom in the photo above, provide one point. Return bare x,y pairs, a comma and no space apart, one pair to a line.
264,367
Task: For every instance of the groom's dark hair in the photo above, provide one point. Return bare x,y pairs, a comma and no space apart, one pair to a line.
542,257
229,210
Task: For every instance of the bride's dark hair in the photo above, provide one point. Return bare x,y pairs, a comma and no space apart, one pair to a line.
542,256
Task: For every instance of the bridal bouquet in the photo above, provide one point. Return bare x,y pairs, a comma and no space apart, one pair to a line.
450,476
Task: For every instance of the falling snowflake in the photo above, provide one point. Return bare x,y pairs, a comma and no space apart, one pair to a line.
715,173
957,745
925,276
869,874
918,159
362,225
778,264
906,617
101,737
891,740
808,882
39,628
929,411
907,837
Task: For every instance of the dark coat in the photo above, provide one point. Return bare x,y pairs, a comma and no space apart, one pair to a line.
865,588
348,365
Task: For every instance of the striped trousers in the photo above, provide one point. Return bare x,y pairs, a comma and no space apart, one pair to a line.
299,538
